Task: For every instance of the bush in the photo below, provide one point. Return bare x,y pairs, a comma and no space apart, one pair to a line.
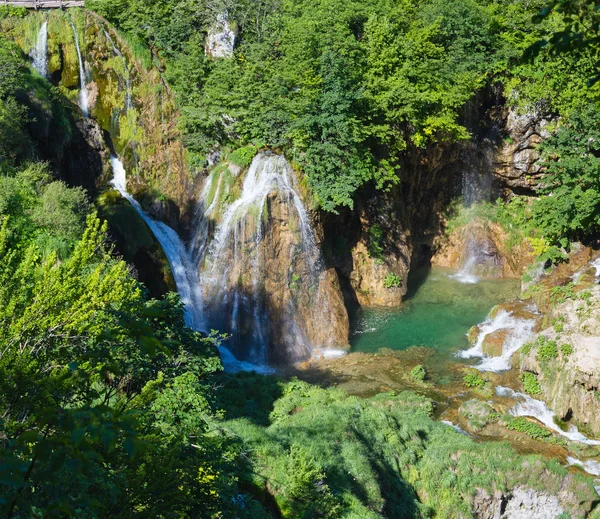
392,281
548,350
242,157
474,380
531,384
566,350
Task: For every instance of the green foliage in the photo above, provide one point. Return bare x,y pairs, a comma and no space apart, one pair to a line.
535,431
566,350
243,156
418,373
474,380
531,384
547,350
392,281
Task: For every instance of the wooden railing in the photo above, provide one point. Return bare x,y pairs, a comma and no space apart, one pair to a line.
43,4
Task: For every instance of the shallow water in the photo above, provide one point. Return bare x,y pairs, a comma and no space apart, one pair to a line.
438,312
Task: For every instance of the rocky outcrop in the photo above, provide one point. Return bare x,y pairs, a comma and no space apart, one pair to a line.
260,266
566,359
485,244
516,159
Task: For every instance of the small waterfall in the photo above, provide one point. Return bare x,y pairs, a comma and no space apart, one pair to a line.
476,188
250,271
184,271
520,332
530,407
457,428
590,466
83,93
39,54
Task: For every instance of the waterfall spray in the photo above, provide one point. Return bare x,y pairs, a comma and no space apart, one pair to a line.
39,54
184,270
234,247
83,93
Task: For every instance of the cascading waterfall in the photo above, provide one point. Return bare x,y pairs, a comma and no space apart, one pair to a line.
83,93
184,271
235,248
39,54
530,407
520,332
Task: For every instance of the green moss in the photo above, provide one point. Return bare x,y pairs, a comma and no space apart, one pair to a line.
474,380
242,157
418,373
392,281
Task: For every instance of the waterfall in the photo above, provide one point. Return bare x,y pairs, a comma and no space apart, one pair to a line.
83,93
520,332
530,407
262,275
39,54
126,73
184,271
476,188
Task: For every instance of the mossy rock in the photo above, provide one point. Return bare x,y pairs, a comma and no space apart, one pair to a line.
477,414
493,343
473,334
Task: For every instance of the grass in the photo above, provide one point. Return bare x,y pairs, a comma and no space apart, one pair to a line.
321,453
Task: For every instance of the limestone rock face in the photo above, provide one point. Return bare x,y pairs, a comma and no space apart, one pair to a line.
261,272
483,243
521,503
571,382
516,160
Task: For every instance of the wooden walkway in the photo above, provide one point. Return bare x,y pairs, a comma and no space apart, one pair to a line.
43,4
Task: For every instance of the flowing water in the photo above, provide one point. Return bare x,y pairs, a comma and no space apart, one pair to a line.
39,54
184,271
83,93
438,312
240,249
520,331
530,407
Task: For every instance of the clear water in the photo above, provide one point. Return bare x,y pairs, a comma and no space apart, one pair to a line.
438,312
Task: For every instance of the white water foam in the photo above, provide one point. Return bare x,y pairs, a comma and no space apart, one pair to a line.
83,93
530,407
457,428
596,265
520,331
184,271
590,466
39,54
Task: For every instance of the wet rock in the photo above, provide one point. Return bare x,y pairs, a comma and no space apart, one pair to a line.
493,343
477,414
473,334
483,244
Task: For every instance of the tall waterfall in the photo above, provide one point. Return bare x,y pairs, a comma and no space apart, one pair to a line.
83,93
184,271
260,269
39,54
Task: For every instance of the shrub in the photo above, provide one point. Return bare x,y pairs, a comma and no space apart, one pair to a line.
566,350
392,281
548,350
531,384
474,380
418,373
242,157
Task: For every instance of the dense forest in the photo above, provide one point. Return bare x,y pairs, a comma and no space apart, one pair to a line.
110,406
